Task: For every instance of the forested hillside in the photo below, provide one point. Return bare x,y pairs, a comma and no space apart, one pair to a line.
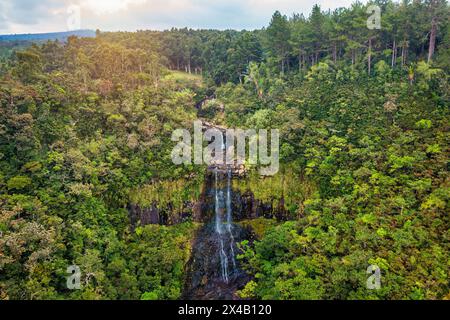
85,132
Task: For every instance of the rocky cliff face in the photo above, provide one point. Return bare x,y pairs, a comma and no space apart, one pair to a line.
213,271
244,206
204,274
163,216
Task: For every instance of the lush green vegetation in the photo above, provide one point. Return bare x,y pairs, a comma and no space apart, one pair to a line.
85,130
78,134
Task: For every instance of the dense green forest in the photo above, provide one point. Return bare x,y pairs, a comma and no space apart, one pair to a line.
85,131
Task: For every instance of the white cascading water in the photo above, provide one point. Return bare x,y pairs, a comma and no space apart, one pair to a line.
223,256
230,220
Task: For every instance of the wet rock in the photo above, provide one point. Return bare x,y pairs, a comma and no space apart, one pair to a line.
167,216
205,269
204,279
143,216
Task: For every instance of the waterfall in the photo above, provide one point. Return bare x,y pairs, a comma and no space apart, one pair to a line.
213,270
230,220
217,206
222,254
224,236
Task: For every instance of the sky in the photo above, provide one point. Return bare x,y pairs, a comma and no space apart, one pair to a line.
39,16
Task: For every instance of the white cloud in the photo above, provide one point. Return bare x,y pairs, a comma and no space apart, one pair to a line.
30,16
109,6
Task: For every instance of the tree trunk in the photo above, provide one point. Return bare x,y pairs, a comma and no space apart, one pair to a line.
369,57
394,53
432,38
300,65
335,53
404,52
